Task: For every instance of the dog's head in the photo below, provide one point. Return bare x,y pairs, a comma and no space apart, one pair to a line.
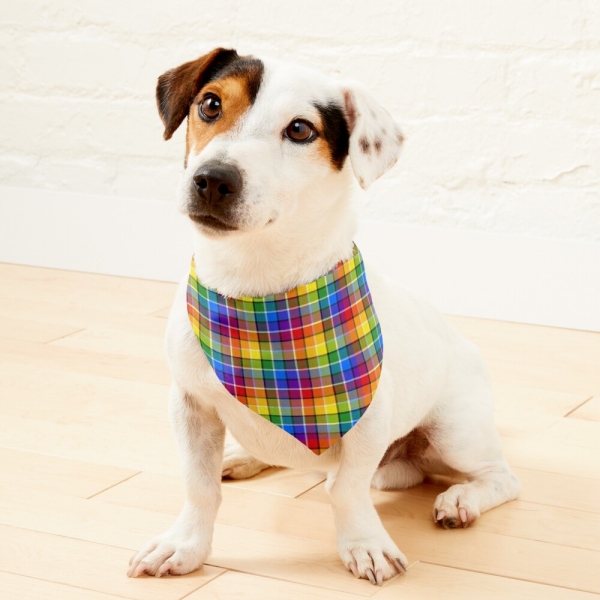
265,139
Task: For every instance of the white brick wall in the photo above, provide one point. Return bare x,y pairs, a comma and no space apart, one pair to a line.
500,99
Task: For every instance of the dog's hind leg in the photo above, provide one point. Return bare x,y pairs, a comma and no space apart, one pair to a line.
398,474
238,464
468,442
400,466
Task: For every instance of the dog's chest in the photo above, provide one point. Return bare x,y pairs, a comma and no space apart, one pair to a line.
194,375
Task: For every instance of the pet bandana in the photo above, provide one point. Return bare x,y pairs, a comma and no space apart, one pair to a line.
308,360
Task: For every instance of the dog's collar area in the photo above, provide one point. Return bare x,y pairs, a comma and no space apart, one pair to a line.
308,360
299,291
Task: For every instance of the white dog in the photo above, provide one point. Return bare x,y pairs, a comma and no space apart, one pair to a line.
271,150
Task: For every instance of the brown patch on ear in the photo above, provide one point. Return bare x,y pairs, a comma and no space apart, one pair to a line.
350,111
177,88
377,145
365,145
236,92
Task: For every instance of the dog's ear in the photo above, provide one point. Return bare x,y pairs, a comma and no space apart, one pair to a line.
177,88
375,138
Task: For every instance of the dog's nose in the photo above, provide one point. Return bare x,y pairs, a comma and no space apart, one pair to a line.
216,182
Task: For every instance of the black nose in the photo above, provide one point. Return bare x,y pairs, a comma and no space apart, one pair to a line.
218,183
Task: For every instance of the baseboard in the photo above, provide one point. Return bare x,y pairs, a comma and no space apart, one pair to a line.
531,280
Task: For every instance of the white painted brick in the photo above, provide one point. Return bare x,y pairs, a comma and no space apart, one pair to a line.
565,87
84,128
550,151
102,66
499,99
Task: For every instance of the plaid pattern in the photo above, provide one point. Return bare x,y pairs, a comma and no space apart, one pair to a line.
308,360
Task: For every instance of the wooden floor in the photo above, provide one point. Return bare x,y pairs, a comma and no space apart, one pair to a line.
89,470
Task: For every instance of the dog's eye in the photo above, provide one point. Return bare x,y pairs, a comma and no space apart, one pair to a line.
299,130
210,108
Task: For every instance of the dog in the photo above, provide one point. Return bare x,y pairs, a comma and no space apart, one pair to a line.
271,150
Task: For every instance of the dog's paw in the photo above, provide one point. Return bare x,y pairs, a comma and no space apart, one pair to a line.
456,507
372,559
170,554
238,464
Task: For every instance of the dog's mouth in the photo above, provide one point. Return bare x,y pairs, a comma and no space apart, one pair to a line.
212,222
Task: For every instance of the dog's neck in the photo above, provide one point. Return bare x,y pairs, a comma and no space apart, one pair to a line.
289,253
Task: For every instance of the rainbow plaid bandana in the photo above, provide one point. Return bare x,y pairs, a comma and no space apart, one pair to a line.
308,360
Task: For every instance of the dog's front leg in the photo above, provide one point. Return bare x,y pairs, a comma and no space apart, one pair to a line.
184,547
365,546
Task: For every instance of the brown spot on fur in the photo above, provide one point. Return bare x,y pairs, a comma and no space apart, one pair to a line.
377,145
334,138
365,145
235,101
411,447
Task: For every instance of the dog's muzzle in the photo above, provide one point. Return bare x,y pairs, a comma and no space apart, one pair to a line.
216,187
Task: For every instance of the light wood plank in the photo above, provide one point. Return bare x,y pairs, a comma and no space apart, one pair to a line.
552,457
49,473
96,418
479,548
78,316
72,288
522,399
524,411
93,363
250,587
521,337
297,558
400,512
555,489
122,341
163,313
122,444
426,581
590,411
242,508
163,493
33,330
520,519
86,520
282,482
18,587
573,432
90,566
78,398
529,520
562,360
563,526
82,415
